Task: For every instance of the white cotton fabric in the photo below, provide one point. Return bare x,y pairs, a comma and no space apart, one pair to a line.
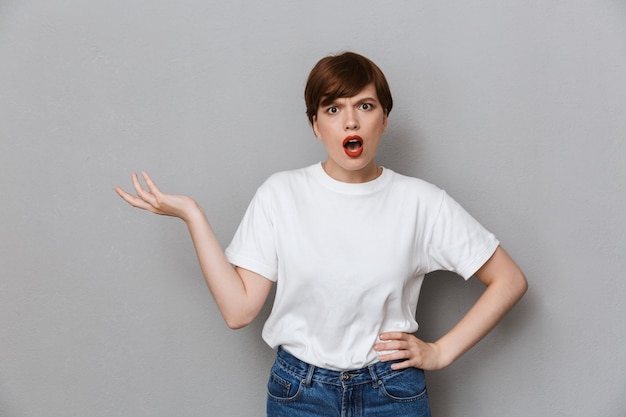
349,259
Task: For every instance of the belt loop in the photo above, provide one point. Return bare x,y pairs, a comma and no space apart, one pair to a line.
374,376
309,376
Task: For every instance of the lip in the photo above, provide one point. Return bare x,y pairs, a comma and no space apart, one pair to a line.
353,153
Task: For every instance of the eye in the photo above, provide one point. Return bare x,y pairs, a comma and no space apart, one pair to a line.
366,106
332,110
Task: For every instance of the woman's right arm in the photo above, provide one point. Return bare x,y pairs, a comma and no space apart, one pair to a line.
239,293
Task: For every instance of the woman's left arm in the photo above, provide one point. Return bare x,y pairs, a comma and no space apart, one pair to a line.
505,285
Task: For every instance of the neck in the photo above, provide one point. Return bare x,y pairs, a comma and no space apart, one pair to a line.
366,174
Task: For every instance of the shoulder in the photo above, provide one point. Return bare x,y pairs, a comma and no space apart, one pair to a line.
284,184
415,187
284,179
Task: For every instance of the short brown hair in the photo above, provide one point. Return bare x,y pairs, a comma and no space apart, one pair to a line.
343,75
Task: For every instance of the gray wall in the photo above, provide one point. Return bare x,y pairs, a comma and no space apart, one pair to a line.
517,108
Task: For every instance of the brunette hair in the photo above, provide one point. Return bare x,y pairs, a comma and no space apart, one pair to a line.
343,75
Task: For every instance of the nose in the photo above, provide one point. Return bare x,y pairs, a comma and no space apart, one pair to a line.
351,122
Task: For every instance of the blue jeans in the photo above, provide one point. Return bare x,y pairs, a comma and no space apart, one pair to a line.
297,389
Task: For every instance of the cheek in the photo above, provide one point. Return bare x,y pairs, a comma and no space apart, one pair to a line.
321,129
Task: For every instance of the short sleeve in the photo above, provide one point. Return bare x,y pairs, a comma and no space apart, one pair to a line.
458,242
254,245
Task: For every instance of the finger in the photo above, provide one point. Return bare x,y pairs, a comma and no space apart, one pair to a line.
136,184
401,365
388,345
387,356
393,336
121,192
129,198
398,355
132,200
141,200
153,194
142,193
151,185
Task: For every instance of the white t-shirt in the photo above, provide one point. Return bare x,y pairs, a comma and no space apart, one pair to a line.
349,259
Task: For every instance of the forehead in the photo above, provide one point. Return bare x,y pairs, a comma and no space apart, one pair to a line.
368,92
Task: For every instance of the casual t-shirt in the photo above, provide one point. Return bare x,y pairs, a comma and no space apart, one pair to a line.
349,259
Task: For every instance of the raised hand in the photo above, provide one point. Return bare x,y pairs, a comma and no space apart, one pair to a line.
239,293
156,201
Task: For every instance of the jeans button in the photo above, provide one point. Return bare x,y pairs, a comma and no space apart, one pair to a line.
345,376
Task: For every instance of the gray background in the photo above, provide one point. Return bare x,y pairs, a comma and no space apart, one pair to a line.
517,108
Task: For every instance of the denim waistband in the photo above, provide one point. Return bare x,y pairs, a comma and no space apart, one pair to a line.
369,374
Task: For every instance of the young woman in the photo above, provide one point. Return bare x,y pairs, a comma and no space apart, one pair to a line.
347,243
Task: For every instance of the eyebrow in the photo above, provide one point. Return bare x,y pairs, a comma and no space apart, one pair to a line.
361,100
367,99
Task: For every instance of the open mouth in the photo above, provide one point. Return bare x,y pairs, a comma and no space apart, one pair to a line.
353,146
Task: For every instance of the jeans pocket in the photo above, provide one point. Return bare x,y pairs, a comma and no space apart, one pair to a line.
283,385
404,385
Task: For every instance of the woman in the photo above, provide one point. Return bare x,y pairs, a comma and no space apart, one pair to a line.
348,243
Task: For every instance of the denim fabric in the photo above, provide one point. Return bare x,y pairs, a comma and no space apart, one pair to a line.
297,389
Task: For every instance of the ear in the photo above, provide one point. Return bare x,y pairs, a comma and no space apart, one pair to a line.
384,122
317,134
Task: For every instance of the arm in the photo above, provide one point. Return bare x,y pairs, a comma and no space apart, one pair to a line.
239,293
505,285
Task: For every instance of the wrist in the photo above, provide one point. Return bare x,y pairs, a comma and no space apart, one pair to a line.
192,212
445,355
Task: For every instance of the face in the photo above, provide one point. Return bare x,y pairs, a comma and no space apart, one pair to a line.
350,129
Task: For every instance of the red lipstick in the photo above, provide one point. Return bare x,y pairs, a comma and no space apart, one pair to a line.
353,146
